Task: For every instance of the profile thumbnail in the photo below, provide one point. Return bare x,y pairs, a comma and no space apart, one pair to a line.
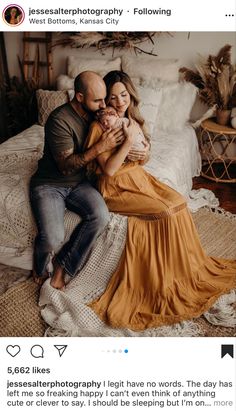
13,15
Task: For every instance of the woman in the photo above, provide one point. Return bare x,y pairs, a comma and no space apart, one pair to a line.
13,15
164,276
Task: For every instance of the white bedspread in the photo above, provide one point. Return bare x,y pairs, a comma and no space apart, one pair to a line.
175,158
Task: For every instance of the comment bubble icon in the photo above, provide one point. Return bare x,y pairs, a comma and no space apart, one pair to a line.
37,351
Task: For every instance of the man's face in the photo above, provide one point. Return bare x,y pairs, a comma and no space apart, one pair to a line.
94,97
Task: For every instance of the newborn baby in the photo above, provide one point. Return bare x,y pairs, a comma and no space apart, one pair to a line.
108,118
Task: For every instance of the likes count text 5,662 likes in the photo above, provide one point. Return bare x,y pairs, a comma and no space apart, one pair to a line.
117,373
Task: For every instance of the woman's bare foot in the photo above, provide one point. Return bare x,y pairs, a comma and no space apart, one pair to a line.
40,279
58,280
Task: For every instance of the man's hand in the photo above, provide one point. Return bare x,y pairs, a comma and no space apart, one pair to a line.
111,139
142,155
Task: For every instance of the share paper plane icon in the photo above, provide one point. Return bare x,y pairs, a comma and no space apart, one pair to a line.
61,349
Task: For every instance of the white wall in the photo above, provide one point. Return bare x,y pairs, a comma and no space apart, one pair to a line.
182,45
176,45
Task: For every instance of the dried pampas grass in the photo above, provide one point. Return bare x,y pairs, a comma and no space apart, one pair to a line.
104,40
215,78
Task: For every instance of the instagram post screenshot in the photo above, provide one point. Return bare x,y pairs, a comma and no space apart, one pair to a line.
118,205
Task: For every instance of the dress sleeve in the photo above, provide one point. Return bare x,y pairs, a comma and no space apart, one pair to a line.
94,135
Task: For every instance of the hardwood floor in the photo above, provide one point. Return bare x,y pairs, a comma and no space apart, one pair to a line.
225,192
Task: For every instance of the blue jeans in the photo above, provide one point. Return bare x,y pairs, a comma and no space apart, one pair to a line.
48,205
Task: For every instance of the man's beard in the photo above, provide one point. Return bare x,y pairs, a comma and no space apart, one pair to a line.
85,108
90,112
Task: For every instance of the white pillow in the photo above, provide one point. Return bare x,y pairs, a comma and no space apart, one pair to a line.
101,66
175,106
71,94
151,69
65,82
149,105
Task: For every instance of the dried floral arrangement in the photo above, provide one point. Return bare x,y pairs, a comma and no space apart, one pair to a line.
103,40
215,78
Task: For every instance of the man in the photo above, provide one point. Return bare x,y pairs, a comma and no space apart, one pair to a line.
60,183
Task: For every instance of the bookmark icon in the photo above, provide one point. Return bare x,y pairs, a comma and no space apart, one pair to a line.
61,349
227,349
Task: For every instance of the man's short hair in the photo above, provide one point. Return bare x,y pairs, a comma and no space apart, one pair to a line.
79,84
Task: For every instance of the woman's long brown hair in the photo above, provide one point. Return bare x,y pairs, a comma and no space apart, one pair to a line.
133,112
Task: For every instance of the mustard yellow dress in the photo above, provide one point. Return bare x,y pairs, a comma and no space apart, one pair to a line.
164,275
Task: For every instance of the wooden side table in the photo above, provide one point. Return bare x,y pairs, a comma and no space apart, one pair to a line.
218,146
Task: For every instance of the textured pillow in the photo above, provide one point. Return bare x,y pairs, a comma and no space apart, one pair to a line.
175,106
47,101
101,66
151,69
149,105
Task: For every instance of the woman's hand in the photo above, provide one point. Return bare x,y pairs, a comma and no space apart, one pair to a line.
142,155
130,132
111,139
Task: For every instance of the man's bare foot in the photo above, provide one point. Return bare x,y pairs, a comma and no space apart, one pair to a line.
58,280
40,279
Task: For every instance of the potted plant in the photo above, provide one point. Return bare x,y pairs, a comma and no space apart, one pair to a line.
215,79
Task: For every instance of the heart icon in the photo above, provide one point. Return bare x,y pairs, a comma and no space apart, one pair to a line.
13,350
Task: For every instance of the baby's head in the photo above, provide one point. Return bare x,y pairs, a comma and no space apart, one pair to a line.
107,117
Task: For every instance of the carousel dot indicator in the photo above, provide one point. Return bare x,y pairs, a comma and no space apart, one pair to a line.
126,351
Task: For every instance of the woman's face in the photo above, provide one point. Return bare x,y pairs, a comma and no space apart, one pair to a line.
119,98
13,12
